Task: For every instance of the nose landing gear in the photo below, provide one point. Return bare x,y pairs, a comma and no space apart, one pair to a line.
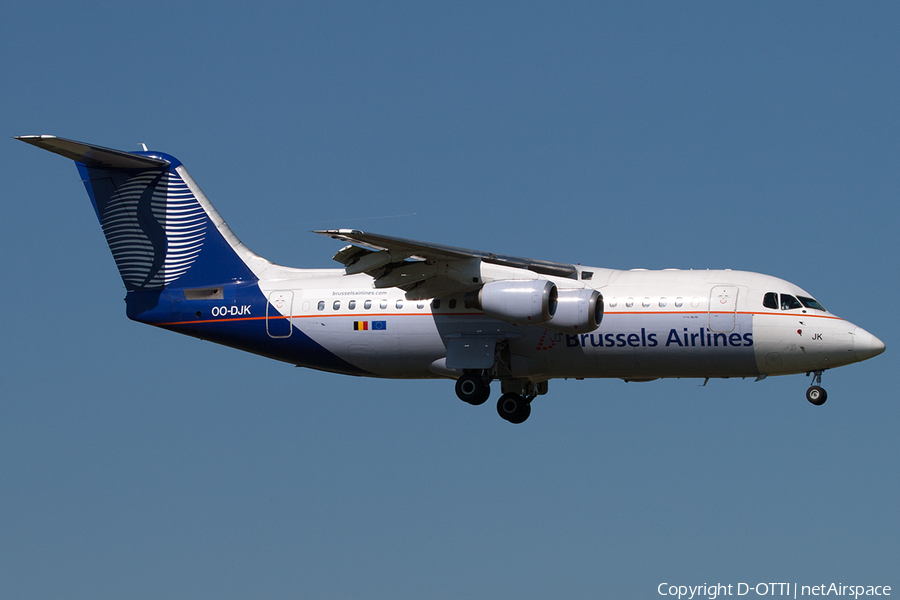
816,393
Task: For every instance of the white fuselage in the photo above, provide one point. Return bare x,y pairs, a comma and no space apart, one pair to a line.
669,323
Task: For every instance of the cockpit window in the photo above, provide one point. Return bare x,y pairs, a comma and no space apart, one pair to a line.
788,302
810,303
770,300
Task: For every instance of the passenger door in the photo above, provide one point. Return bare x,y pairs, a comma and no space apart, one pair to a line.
279,313
722,308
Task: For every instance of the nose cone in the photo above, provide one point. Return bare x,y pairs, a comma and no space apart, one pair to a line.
866,345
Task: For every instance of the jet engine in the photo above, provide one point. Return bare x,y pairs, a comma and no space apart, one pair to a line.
577,311
523,302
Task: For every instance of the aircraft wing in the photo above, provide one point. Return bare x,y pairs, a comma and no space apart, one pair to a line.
430,269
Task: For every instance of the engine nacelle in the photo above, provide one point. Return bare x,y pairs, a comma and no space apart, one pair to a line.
523,302
577,311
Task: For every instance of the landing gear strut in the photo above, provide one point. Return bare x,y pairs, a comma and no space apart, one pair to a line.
473,388
816,393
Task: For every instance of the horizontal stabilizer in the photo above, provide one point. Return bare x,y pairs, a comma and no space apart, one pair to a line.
93,156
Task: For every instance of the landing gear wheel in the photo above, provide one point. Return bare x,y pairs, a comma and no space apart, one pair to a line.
513,408
473,389
816,395
521,415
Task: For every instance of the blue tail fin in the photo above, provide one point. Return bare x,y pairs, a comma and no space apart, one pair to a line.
161,229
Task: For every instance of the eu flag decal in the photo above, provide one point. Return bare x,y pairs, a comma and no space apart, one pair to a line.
379,325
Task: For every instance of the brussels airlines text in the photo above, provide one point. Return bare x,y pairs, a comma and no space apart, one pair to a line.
682,339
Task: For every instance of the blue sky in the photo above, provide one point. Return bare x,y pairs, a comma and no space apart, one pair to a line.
758,136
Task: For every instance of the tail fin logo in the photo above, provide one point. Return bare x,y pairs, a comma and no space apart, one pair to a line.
155,228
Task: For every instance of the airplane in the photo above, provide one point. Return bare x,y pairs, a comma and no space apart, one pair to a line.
404,309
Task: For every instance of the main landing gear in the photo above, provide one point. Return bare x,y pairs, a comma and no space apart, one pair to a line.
514,408
816,393
474,387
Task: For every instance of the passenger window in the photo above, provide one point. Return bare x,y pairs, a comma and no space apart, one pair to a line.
436,303
663,302
679,302
321,305
367,305
810,303
337,305
399,304
351,305
629,303
646,303
770,300
452,303
420,305
613,302
383,304
788,302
